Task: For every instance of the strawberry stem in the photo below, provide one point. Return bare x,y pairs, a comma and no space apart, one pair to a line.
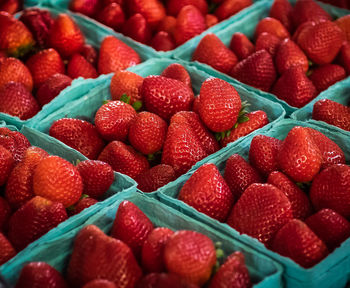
137,105
125,98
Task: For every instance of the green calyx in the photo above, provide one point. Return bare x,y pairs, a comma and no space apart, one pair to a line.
125,98
21,50
221,135
305,186
220,256
137,105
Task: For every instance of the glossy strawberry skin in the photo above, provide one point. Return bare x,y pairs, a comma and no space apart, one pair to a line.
136,27
231,7
78,66
327,75
112,15
174,7
6,164
7,250
167,24
344,57
269,42
241,45
309,10
163,41
282,11
90,54
126,82
272,26
178,72
86,7
15,142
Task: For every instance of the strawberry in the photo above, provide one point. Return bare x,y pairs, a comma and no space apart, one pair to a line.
83,203
239,175
11,6
207,191
327,75
321,42
195,105
241,45
156,177
78,66
263,154
255,120
178,72
344,56
78,134
5,213
7,250
126,82
136,27
260,212
294,87
160,280
211,20
153,249
15,38
52,87
282,11
213,52
44,64
339,3
256,70
289,55
100,283
308,10
344,24
191,256
115,55
12,69
131,226
65,36
6,164
97,177
15,142
167,24
112,15
16,100
98,256
174,7
269,42
162,41
189,23
165,96
230,7
233,273
34,219
86,7
124,159
272,26
90,54
40,275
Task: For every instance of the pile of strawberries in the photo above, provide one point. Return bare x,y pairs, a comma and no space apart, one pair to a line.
163,26
40,191
299,52
52,52
293,196
136,254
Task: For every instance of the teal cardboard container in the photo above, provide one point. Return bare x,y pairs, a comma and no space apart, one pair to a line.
246,25
333,271
264,272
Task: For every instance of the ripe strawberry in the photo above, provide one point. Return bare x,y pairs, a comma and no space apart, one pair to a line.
100,283
233,273
162,41
82,204
131,226
34,219
165,96
78,134
40,275
97,177
191,256
230,7
256,120
344,24
269,42
115,55
339,3
308,10
15,142
126,82
98,256
211,20
15,38
207,191
344,56
136,27
44,64
78,66
153,249
282,11
178,72
327,75
289,55
257,70
7,250
156,177
263,154
11,6
124,159
212,51
297,241
86,7
272,26
52,87
294,87
6,164
241,45
112,15
5,213
160,280
90,54
167,24
261,221
16,100
174,7
65,36
195,105
12,69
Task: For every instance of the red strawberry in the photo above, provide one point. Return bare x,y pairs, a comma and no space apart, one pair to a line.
162,41
160,280
211,20
124,159
239,175
15,142
97,177
165,96
137,28
156,177
5,213
100,283
289,55
82,204
233,273
344,24
78,66
131,226
260,212
90,54
7,250
344,56
241,45
16,100
308,10
263,154
167,24
178,72
207,191
52,87
174,6
153,249
330,227
44,64
327,75
112,15
6,164
115,55
294,87
12,69
269,42
272,26
230,7
126,82
255,120
282,11
98,256
34,219
191,256
11,6
213,52
257,70
40,275
195,105
86,7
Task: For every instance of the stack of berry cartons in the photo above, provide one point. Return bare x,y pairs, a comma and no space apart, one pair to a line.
160,243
